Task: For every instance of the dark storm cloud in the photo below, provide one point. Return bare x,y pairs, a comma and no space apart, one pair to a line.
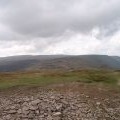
46,18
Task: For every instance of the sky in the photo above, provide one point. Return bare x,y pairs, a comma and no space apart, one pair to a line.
73,27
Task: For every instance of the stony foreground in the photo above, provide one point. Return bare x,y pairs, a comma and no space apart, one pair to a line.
60,104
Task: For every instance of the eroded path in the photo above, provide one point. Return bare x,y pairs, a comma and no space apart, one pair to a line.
72,101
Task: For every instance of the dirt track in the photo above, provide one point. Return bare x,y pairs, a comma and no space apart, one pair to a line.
60,102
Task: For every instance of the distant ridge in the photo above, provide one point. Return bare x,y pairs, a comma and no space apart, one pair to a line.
77,62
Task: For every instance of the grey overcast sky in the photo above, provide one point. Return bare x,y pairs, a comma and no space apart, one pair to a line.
59,27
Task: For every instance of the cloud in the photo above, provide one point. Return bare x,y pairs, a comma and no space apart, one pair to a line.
53,17
59,26
88,44
69,43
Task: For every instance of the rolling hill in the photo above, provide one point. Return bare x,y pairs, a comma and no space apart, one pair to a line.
69,62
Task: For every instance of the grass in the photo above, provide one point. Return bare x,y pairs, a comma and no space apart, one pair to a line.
40,78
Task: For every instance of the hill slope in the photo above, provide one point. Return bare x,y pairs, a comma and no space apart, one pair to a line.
27,62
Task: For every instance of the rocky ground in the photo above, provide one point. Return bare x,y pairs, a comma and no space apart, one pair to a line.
60,102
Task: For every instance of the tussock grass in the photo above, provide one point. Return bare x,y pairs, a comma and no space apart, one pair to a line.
40,78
